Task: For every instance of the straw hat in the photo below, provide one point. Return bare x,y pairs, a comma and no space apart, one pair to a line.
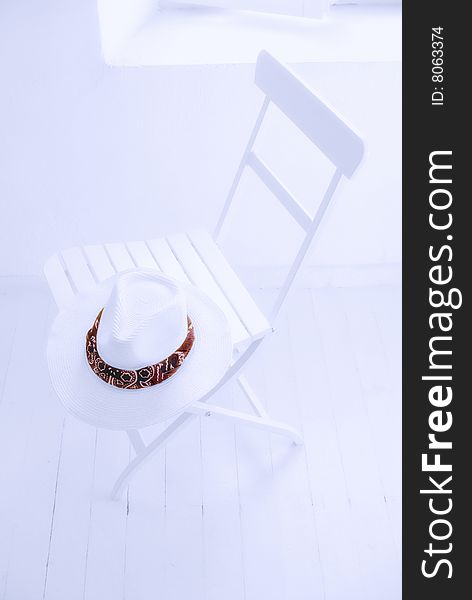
138,350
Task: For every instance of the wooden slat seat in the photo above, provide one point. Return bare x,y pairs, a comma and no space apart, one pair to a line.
192,258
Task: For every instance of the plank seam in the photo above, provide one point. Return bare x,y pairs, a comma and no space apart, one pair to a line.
92,272
67,274
53,513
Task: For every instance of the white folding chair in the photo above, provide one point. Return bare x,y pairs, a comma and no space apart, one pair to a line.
196,258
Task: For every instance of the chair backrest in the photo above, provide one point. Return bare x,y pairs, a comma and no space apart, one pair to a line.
338,142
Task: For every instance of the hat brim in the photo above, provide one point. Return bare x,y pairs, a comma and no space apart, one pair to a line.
103,405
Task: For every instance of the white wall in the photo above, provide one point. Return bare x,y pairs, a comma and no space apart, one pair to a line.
119,19
92,153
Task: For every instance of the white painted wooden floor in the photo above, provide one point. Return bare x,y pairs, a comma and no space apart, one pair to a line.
223,513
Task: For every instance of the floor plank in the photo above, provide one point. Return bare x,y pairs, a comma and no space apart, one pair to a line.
223,552
184,568
105,558
145,548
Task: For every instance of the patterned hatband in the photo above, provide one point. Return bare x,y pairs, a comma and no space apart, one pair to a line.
140,378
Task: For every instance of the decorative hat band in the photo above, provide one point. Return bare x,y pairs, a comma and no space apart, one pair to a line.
140,378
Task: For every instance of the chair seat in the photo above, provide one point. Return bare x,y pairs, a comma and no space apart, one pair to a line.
189,257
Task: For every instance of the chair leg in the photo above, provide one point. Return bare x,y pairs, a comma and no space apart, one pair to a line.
204,409
144,453
239,360
252,397
136,440
260,410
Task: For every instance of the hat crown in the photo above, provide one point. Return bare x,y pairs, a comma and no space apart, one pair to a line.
144,321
